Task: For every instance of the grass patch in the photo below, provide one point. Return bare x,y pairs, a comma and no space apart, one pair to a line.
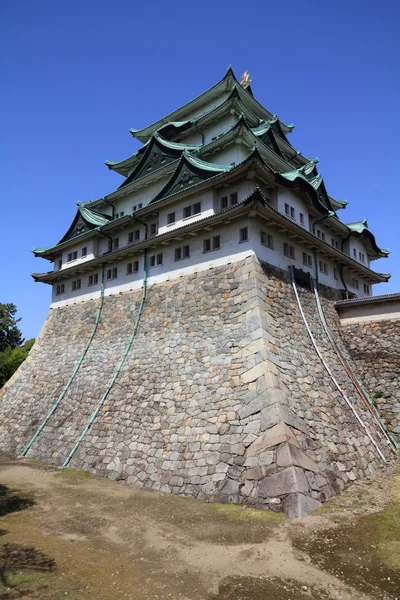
73,475
40,464
363,551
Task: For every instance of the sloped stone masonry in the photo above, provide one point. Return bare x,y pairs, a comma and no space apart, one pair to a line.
222,396
374,347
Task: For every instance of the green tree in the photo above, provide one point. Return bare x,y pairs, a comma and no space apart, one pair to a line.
10,335
13,348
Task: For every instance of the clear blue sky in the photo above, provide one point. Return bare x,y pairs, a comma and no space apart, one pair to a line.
76,75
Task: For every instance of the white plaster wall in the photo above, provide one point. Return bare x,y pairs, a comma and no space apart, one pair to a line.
91,248
243,189
277,258
348,277
207,209
358,244
295,200
142,194
205,108
210,131
231,250
234,153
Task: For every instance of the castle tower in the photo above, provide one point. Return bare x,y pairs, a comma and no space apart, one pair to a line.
179,352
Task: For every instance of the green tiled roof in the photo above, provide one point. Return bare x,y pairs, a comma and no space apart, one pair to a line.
189,172
85,220
228,83
361,228
159,153
358,226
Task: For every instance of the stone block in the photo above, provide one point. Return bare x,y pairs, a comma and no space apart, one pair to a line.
253,407
297,506
288,454
253,374
277,413
272,437
288,481
230,487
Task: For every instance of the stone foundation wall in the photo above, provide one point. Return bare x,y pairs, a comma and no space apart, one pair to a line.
374,347
222,396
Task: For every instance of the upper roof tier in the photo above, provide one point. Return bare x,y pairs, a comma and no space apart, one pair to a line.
217,92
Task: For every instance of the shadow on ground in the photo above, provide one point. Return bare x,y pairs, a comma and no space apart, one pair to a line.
12,501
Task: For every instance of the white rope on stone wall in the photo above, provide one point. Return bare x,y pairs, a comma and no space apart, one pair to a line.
328,370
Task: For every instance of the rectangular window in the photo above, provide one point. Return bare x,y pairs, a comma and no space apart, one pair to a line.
76,285
243,234
84,251
130,237
229,201
137,234
112,273
181,253
171,218
116,216
122,213
333,243
301,219
93,279
134,207
156,260
287,209
153,229
113,244
355,284
267,239
213,243
72,256
321,235
60,289
60,263
323,267
361,256
234,198
354,253
292,212
366,289
197,208
288,250
307,259
335,274
132,267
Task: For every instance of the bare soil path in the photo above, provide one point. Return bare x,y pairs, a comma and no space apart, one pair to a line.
65,534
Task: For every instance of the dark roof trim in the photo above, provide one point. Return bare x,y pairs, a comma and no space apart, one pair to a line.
368,300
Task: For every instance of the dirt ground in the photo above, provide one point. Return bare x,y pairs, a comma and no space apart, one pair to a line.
65,534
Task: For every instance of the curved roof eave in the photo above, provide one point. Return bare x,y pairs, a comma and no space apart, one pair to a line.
222,86
361,228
